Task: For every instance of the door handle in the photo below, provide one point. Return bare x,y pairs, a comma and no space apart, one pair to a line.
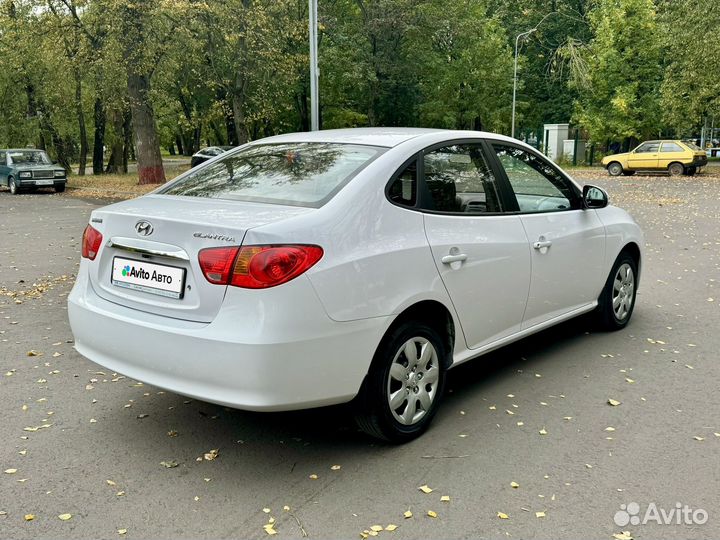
449,259
542,244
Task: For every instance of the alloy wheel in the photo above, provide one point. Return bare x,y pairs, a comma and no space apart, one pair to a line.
412,382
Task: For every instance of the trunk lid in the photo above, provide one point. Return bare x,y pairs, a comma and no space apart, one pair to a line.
179,227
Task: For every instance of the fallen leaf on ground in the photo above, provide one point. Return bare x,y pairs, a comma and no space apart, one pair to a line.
445,498
407,514
503,515
170,463
425,489
29,517
542,431
539,514
376,528
212,454
431,514
335,468
64,517
514,485
10,471
391,527
625,535
613,402
122,531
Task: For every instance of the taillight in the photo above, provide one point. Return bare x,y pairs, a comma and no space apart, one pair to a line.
257,267
216,263
91,240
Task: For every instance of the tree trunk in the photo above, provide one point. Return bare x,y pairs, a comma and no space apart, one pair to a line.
115,161
179,142
150,165
127,139
238,103
82,161
99,138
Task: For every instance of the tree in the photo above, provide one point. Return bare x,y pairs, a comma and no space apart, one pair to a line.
464,67
618,83
691,86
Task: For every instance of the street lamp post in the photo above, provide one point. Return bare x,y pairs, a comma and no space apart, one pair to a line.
517,42
314,99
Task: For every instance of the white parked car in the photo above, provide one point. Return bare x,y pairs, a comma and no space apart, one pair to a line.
317,268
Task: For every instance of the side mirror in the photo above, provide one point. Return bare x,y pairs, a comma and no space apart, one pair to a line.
594,197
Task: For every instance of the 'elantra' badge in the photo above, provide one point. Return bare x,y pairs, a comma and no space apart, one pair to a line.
144,228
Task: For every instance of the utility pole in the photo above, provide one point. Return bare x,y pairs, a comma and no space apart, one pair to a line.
517,41
314,99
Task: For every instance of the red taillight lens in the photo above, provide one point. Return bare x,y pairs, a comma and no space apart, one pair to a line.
217,263
91,240
257,267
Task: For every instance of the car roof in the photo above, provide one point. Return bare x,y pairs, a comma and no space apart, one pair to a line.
373,136
22,150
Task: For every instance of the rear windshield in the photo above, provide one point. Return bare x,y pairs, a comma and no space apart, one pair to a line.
297,174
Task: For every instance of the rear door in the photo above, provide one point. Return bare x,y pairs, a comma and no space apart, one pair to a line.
565,241
644,156
481,254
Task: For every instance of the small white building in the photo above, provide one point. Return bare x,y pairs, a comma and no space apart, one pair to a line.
554,138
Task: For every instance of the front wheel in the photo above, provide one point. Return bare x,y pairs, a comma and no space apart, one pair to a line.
403,388
615,169
14,188
617,300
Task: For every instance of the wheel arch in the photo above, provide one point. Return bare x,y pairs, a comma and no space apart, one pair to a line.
436,315
632,249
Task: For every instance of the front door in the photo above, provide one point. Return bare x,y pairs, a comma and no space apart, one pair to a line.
566,242
644,156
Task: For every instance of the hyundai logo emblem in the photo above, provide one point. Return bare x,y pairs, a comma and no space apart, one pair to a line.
144,228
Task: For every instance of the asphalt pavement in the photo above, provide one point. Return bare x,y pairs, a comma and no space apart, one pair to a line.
77,439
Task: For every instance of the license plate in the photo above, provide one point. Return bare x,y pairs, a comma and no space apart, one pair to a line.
159,279
44,182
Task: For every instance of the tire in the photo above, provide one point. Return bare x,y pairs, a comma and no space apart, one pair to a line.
12,184
676,169
628,173
410,353
59,188
617,300
615,169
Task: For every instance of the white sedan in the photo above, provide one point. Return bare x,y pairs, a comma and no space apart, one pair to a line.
347,265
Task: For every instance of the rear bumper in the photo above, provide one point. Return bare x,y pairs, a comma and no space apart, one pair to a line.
256,358
700,161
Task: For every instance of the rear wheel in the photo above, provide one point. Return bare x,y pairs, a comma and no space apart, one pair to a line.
676,169
615,169
14,188
617,300
59,188
403,388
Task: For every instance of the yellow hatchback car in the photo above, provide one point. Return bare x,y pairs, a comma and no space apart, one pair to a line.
675,157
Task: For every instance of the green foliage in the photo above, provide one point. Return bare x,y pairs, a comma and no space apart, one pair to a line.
619,88
226,71
691,88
